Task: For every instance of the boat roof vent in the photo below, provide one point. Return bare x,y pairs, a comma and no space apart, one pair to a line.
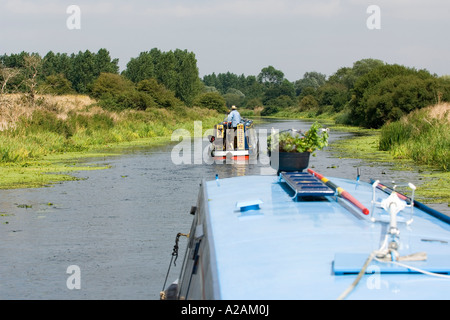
248,205
305,184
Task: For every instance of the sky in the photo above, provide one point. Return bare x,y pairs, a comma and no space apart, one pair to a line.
238,36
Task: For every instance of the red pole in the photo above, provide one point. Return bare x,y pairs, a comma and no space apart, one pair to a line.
388,190
341,192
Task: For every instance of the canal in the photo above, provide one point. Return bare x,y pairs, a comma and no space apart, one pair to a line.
110,234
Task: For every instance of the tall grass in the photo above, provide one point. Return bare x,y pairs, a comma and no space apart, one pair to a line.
423,135
69,126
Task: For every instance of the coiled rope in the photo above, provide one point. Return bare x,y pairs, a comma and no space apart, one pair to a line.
378,255
174,255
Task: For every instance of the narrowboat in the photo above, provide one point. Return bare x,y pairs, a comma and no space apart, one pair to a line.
239,144
299,235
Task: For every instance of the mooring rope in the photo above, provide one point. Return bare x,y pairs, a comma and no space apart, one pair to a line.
174,254
377,255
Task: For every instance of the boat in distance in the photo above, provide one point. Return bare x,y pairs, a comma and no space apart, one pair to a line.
239,144
300,235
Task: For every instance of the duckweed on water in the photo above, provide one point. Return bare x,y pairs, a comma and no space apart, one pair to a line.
39,174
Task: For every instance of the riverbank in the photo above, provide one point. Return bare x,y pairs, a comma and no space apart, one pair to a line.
43,143
68,130
434,183
423,136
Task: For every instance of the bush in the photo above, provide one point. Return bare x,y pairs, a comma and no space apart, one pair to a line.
395,97
282,101
343,117
57,84
211,100
308,102
270,110
335,95
254,103
117,93
110,85
388,91
163,97
135,100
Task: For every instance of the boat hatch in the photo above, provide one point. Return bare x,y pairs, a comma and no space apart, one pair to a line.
305,184
351,263
248,205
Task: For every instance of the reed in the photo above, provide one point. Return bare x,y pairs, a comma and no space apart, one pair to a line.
76,123
423,135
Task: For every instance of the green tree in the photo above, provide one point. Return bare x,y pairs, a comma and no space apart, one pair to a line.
271,76
134,99
50,65
104,63
188,84
166,70
210,80
209,89
394,97
443,89
343,76
388,91
249,86
161,95
282,101
211,100
310,80
334,94
270,110
176,70
234,97
308,103
348,76
56,64
82,72
87,66
364,66
254,102
14,60
252,88
284,89
140,68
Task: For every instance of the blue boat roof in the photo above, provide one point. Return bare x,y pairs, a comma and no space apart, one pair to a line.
270,245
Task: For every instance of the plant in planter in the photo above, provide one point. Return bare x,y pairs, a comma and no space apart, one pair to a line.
294,148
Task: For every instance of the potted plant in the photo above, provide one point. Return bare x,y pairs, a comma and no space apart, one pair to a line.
290,150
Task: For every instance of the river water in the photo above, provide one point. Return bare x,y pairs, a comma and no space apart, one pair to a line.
117,226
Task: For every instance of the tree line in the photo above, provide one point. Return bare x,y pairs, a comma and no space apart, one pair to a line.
153,79
369,94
